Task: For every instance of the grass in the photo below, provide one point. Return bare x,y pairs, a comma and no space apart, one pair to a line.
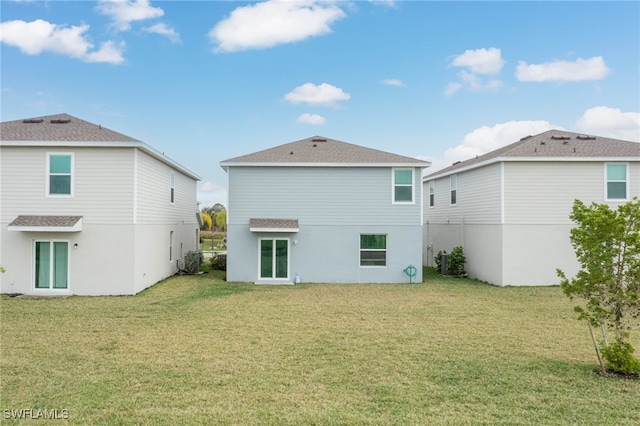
198,350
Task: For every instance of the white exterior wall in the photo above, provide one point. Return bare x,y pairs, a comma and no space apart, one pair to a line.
473,222
124,244
529,238
333,205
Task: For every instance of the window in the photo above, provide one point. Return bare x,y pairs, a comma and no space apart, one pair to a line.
454,189
172,187
432,193
170,246
373,250
616,181
51,261
274,258
403,186
59,174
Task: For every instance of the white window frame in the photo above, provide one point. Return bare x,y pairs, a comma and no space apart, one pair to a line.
393,185
172,188
48,175
273,259
385,250
453,189
606,181
51,263
432,194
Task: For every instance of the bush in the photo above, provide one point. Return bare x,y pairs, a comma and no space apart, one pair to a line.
456,262
620,359
438,259
219,262
192,261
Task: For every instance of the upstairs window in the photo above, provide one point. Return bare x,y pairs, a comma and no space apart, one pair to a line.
453,182
172,188
616,181
432,193
403,186
59,174
373,250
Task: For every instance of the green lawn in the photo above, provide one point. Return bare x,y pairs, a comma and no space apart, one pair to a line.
196,350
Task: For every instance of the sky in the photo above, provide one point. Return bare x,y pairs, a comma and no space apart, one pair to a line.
205,81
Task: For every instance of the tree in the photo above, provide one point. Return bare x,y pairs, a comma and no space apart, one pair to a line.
206,221
221,220
607,246
217,207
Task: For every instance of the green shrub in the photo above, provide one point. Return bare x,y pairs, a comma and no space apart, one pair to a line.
456,262
620,359
219,262
438,259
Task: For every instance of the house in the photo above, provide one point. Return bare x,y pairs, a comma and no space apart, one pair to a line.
89,211
323,211
509,209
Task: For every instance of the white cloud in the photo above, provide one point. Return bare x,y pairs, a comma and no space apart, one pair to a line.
164,30
388,3
486,139
210,187
452,88
40,36
322,94
610,122
393,82
578,70
109,52
480,61
124,12
270,23
314,119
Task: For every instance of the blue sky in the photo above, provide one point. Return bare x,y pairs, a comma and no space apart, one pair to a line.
204,81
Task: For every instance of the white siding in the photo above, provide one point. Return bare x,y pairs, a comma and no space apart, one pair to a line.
114,254
103,184
478,197
154,203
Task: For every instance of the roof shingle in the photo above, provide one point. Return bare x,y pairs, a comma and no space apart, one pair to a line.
557,144
59,127
318,149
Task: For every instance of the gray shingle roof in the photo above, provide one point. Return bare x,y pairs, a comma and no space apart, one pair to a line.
273,223
48,221
59,127
318,149
556,144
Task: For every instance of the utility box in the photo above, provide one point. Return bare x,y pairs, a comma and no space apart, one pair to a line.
443,263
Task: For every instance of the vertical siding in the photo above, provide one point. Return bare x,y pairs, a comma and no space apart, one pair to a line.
319,196
103,184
